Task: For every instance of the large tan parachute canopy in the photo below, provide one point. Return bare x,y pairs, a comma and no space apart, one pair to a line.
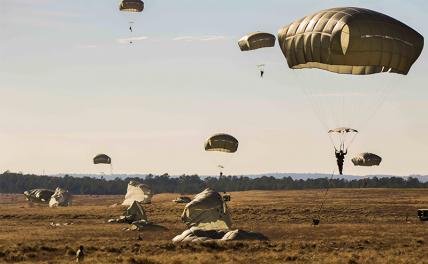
256,40
38,195
222,143
366,159
131,6
207,211
102,159
350,40
138,192
61,198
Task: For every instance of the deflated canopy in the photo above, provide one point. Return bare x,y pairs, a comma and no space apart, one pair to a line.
256,40
61,198
207,211
38,195
102,159
222,143
131,6
366,159
350,40
136,212
138,192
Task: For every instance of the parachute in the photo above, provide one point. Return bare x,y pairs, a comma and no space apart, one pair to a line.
350,40
221,142
353,42
131,9
102,159
256,40
38,195
138,192
366,159
131,6
342,137
207,211
61,198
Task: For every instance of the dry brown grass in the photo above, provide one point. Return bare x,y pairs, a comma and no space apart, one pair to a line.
357,226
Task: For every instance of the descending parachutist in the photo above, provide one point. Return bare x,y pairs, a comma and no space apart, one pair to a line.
340,156
261,73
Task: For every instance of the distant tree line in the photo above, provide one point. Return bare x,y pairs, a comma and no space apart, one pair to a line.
187,184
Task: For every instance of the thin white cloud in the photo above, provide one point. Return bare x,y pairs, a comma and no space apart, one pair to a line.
199,38
133,39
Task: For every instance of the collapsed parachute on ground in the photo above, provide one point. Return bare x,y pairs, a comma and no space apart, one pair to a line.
207,211
256,40
366,159
350,40
222,142
200,235
102,159
138,192
134,213
38,195
61,198
131,6
182,199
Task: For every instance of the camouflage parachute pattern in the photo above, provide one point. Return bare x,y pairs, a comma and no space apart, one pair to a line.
350,40
131,6
138,192
222,142
207,211
366,159
102,159
61,198
39,195
256,40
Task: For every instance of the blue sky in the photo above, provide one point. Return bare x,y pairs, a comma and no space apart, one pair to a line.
73,87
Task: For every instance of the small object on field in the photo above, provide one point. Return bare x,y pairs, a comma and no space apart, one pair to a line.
80,256
423,214
315,221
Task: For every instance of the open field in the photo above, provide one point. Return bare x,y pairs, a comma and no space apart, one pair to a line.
357,226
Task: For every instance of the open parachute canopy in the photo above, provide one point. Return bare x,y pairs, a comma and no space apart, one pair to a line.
342,137
343,130
366,159
131,6
350,40
102,159
221,142
256,40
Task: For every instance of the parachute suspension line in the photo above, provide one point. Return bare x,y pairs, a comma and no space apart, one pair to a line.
316,108
324,198
378,106
111,169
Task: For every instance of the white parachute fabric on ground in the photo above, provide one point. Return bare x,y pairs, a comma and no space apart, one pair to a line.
138,192
39,195
61,198
195,234
207,211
